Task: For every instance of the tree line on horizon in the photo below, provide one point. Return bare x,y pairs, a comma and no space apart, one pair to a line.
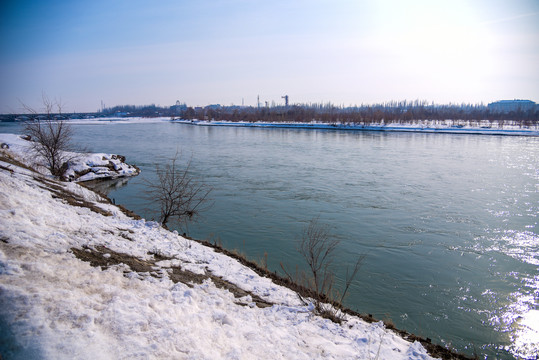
394,111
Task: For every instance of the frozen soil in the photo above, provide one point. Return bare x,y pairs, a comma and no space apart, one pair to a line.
104,258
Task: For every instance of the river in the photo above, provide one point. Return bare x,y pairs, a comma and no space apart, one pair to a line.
448,223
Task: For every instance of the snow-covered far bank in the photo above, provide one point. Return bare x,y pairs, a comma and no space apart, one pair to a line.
81,166
119,120
112,120
81,280
481,128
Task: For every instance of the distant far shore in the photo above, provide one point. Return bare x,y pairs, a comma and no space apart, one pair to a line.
477,127
465,127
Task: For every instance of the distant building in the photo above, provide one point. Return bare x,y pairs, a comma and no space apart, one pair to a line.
507,106
179,107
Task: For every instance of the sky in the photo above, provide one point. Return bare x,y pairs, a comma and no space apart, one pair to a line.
85,53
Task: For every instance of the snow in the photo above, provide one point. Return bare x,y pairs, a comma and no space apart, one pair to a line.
55,306
119,120
81,167
424,127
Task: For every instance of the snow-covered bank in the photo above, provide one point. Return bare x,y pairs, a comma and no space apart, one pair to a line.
119,120
55,306
81,167
428,127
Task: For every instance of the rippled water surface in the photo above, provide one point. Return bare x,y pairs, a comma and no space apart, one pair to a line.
448,223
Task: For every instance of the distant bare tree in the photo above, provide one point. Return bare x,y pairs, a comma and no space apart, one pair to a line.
178,194
51,138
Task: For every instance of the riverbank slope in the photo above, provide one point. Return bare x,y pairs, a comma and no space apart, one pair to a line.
79,279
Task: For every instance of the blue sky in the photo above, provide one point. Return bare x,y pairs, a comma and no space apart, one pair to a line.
225,51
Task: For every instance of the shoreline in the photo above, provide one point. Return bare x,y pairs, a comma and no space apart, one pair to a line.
435,350
124,246
394,127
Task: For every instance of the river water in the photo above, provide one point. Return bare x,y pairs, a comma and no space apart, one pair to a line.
448,223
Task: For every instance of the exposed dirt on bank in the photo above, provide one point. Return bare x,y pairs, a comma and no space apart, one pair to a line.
103,257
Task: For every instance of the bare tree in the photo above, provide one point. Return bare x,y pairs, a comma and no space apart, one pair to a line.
317,246
179,195
51,138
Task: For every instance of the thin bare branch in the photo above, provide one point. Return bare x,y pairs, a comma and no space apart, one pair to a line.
317,247
180,196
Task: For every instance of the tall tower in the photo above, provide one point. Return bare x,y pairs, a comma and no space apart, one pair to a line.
285,100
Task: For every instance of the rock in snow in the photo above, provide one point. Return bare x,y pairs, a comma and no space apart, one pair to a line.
81,280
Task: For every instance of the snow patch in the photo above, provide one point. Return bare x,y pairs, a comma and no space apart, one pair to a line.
81,167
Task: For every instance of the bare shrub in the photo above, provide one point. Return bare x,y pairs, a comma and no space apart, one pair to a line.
317,246
180,196
51,138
